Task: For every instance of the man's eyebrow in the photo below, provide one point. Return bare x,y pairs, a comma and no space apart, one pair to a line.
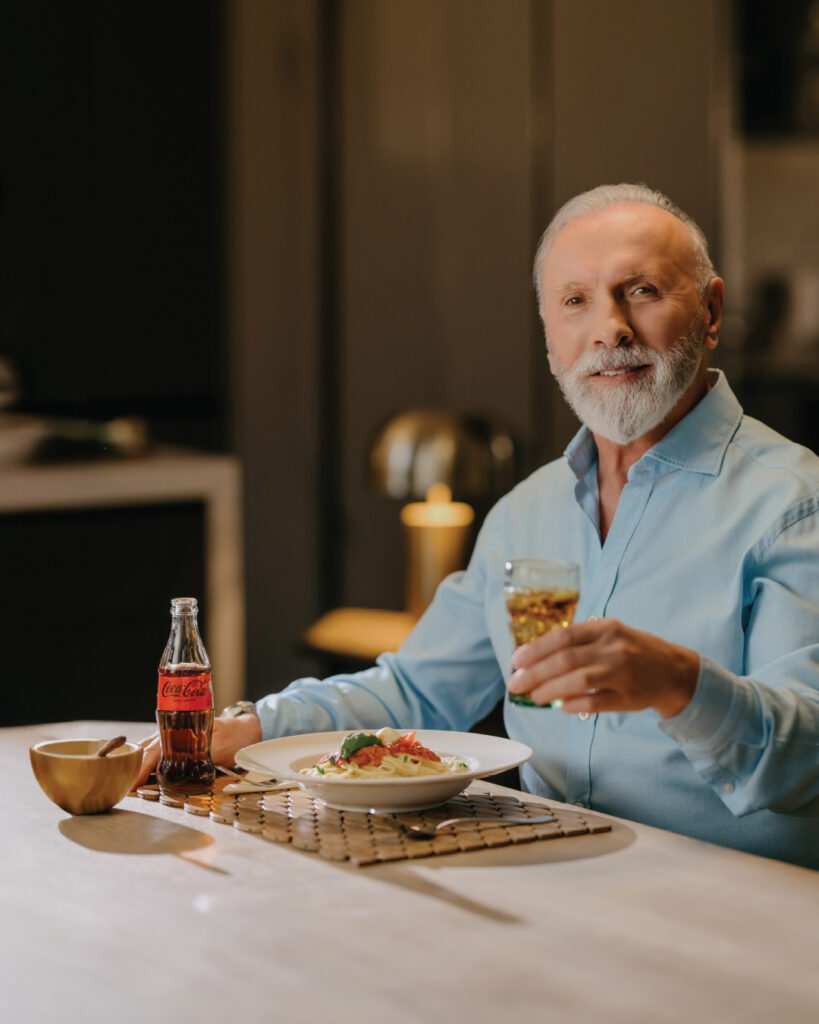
635,275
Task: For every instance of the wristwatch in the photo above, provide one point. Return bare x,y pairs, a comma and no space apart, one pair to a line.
240,707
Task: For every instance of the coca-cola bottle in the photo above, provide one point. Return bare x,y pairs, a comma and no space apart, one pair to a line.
184,705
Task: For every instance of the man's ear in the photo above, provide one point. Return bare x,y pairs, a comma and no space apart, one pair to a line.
714,300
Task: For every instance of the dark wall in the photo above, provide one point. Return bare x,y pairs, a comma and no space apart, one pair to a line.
436,232
85,610
111,209
777,66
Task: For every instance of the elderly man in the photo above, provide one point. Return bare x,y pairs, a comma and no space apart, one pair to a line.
686,693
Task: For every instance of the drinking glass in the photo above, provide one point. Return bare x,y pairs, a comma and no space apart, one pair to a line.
541,595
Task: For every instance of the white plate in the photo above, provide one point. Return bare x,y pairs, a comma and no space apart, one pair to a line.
485,755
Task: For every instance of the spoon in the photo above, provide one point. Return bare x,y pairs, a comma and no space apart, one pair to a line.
106,748
252,782
430,831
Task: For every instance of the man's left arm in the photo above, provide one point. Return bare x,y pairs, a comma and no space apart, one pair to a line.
753,737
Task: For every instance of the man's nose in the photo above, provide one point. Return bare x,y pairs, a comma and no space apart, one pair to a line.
612,327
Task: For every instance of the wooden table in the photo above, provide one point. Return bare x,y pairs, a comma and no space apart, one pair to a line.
149,914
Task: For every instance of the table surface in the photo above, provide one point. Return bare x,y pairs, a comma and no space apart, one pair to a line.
148,911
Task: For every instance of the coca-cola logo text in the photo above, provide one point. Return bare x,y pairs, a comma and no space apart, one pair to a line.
186,689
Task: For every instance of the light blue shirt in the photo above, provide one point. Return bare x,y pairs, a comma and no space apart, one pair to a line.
715,546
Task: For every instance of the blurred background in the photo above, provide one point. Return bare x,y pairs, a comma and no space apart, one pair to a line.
237,237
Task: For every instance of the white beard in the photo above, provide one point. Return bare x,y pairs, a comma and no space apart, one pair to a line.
629,410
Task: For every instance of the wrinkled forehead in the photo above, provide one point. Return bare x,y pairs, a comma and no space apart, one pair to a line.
616,237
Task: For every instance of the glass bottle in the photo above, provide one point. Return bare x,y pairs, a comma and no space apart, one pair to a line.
184,705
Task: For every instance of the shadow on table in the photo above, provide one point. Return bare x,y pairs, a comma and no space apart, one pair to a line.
130,832
405,875
549,851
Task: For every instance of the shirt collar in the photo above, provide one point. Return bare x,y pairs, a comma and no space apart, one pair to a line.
581,452
697,443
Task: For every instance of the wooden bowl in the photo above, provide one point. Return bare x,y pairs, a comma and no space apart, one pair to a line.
71,774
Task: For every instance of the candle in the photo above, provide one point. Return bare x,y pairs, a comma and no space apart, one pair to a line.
436,532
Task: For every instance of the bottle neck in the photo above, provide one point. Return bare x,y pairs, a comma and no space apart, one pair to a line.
185,646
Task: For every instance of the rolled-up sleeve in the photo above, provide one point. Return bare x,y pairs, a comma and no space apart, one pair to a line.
755,737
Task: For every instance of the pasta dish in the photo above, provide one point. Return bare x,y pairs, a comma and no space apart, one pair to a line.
382,755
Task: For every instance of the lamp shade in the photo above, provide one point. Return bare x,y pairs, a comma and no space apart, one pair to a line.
417,449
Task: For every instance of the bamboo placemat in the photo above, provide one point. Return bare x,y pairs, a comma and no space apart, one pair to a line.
293,816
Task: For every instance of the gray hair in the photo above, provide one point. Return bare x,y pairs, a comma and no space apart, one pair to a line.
608,195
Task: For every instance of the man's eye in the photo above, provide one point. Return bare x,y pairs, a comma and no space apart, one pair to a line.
645,289
573,300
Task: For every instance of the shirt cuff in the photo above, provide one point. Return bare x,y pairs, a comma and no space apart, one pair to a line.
265,709
707,718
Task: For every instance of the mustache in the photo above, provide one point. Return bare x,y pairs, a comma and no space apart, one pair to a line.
635,354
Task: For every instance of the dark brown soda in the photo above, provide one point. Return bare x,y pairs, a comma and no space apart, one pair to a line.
185,764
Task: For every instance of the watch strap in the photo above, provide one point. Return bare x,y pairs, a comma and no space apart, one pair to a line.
240,707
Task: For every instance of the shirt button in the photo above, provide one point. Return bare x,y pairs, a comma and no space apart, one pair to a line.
584,716
727,787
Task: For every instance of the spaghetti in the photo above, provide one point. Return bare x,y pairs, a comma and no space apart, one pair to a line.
383,755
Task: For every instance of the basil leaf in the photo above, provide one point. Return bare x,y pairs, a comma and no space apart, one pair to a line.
356,740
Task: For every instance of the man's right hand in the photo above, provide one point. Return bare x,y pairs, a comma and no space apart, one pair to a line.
230,734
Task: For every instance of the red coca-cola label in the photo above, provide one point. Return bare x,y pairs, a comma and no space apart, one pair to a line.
184,692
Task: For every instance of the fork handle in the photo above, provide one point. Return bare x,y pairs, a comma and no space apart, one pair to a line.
494,821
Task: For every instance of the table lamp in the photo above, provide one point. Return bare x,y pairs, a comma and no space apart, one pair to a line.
431,456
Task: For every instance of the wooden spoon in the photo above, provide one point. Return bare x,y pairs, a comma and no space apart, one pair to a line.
106,748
